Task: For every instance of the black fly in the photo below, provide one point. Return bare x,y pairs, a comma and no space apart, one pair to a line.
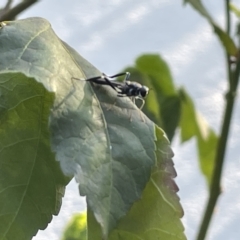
126,88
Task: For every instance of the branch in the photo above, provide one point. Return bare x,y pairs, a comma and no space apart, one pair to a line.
215,188
12,13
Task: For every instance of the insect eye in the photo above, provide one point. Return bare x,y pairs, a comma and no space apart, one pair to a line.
144,91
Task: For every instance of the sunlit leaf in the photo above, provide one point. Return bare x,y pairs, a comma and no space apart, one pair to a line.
157,215
76,229
234,9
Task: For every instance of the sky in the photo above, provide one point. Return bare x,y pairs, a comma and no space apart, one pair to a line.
111,35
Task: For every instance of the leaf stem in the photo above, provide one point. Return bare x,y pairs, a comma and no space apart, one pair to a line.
227,3
228,29
215,188
12,13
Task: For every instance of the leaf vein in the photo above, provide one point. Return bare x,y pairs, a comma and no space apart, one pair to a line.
162,195
12,186
30,176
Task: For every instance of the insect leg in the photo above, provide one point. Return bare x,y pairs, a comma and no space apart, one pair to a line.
81,79
99,80
121,95
127,75
102,80
141,113
110,83
143,102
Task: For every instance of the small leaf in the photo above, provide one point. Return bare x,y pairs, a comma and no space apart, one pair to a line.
76,228
160,79
225,39
187,123
156,68
197,4
207,153
163,100
156,215
171,111
235,10
192,124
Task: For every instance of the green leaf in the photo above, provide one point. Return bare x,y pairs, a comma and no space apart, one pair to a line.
156,215
207,152
225,39
197,4
163,103
31,182
156,68
118,169
171,111
165,97
192,124
187,123
106,141
235,10
76,228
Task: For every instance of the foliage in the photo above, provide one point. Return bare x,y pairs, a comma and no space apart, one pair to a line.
223,36
43,110
76,229
151,70
31,182
233,72
105,141
172,108
157,212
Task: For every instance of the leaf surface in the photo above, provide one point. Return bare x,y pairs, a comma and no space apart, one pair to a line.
157,215
105,141
31,182
102,139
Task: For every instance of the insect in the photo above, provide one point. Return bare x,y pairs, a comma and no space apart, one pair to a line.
126,88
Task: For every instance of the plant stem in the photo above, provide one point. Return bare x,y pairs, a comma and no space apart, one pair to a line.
227,3
228,60
215,188
12,13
